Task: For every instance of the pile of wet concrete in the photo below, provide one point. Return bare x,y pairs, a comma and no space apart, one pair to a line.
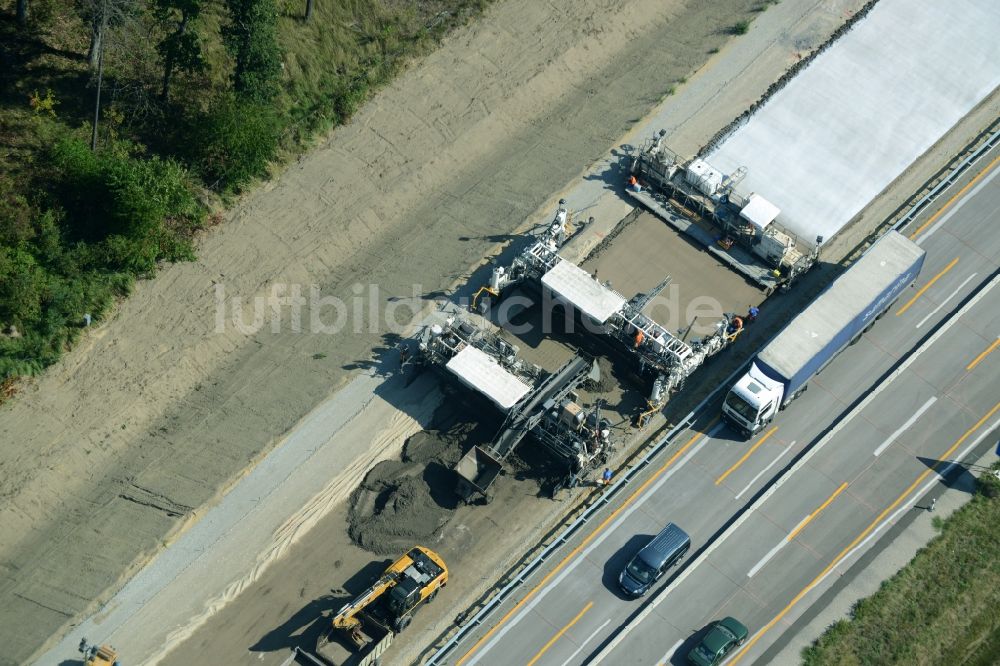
405,502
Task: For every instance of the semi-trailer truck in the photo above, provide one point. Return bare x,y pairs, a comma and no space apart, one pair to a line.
835,319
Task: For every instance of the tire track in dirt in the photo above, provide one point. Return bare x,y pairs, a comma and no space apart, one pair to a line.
161,400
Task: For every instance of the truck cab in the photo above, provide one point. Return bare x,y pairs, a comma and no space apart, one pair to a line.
753,402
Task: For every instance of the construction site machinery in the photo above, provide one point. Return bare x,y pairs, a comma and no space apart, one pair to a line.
667,358
98,655
361,631
541,404
746,231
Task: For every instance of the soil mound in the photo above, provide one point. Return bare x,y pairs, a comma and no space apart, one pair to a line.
429,446
607,382
394,509
406,502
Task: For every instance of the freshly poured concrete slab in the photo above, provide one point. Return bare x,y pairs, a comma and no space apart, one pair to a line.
838,133
701,287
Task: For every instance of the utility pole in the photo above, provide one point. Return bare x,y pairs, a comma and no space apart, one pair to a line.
97,98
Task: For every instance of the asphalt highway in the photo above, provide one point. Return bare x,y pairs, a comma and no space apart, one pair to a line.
870,440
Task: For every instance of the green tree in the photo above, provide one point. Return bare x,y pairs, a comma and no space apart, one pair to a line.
181,48
15,216
232,143
252,39
103,16
22,286
126,207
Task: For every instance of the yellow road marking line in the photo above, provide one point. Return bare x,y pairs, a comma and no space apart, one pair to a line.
986,353
836,560
745,456
817,511
588,539
560,633
927,286
948,204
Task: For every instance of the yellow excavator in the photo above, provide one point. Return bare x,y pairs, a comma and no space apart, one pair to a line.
364,628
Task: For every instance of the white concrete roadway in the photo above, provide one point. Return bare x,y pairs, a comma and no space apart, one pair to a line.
875,463
843,129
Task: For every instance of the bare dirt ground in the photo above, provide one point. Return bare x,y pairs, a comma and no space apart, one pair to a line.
153,415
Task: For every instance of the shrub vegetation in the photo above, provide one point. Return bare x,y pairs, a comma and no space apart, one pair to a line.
942,608
197,100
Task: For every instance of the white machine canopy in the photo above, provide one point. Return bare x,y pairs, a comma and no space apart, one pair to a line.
759,212
576,287
482,373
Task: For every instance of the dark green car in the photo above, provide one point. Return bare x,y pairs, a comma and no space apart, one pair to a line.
722,637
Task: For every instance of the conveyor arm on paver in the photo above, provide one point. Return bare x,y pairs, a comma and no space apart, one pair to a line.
480,466
523,417
640,303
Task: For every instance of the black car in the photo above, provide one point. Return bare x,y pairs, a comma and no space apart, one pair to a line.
653,560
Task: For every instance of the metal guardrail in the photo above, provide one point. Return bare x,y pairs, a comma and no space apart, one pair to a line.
947,181
568,532
792,466
800,458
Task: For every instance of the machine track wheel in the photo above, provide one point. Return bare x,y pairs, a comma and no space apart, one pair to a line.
403,622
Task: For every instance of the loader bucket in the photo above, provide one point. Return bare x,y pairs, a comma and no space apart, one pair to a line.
476,472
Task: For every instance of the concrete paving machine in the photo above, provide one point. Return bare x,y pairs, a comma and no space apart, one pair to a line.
747,232
363,629
541,404
667,358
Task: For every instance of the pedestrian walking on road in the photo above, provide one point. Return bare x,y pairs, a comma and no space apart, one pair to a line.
606,476
931,506
752,313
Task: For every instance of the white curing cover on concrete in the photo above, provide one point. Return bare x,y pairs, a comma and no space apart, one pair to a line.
575,286
833,138
481,372
759,211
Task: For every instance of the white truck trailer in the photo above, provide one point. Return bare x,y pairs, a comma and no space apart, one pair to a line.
834,320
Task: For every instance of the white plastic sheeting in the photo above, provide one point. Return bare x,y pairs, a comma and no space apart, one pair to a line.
843,129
